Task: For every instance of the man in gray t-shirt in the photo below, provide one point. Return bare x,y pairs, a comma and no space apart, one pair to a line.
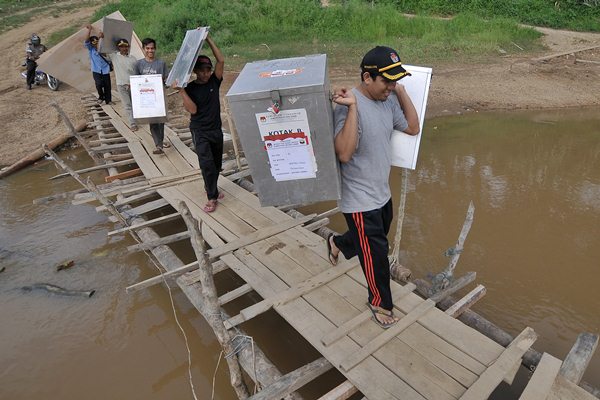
150,65
365,118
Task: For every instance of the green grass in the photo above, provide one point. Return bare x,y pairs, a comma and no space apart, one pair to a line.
580,15
14,14
58,36
250,30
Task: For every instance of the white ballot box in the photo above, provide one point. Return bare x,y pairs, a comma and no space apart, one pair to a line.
148,99
283,114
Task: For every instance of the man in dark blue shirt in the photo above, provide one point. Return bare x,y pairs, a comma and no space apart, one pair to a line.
201,100
100,67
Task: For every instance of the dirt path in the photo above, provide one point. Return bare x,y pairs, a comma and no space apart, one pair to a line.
507,82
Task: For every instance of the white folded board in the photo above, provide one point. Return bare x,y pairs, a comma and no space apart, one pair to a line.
148,98
405,148
186,57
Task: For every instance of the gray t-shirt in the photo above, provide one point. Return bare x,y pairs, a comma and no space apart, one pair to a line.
365,178
143,67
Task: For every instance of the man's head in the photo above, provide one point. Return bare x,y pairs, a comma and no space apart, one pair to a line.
149,46
380,70
203,68
35,40
123,46
94,41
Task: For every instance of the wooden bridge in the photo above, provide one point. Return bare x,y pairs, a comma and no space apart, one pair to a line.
428,354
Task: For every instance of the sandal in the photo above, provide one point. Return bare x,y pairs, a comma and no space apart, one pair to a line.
210,206
166,145
376,311
158,150
333,259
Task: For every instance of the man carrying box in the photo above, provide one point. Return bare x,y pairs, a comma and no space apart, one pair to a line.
201,100
365,118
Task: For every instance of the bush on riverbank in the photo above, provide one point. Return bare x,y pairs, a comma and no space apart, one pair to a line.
253,30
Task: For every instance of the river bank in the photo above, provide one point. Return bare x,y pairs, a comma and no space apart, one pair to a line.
498,83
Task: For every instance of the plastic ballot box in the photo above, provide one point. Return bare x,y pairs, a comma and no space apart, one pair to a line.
284,118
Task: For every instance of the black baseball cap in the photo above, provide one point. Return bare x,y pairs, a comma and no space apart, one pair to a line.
203,61
384,61
122,42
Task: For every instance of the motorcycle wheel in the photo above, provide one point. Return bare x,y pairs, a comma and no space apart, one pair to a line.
53,83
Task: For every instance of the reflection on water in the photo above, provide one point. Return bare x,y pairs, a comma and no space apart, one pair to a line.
534,178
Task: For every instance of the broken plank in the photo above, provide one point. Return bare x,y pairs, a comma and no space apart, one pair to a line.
493,375
354,359
541,382
466,302
123,175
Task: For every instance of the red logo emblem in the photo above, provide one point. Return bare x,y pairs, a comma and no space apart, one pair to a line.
394,57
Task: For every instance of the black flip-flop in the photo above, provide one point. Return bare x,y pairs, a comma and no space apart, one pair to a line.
332,259
376,312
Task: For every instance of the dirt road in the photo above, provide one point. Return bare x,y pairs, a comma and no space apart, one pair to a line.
506,82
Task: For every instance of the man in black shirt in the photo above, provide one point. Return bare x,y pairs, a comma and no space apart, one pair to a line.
201,100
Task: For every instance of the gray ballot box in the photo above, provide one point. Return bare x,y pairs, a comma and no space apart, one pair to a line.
284,118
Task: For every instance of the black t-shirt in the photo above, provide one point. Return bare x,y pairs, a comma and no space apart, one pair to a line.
206,98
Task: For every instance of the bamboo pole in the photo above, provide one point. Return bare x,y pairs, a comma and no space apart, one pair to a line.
211,301
234,136
67,122
395,257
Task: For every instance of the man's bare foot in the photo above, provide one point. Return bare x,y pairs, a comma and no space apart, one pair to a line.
333,250
384,318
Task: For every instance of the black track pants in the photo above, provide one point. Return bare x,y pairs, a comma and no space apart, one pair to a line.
367,238
209,149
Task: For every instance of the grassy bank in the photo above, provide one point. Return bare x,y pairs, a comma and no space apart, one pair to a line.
578,15
16,13
249,30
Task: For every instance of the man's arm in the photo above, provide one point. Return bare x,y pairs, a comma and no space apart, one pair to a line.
410,112
188,103
347,139
220,66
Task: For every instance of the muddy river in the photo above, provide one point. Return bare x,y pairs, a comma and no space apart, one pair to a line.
534,178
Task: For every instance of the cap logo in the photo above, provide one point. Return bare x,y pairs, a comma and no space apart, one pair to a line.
394,57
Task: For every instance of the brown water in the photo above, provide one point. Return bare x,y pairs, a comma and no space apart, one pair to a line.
534,178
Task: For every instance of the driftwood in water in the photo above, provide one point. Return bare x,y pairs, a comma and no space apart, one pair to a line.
58,290
37,154
65,265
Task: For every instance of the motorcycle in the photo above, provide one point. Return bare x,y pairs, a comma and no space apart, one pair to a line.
41,77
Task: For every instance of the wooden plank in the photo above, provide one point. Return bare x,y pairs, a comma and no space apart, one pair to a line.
567,390
98,167
346,327
579,357
343,391
144,160
145,224
143,209
123,175
489,380
109,147
466,302
541,382
176,237
298,290
452,330
293,380
234,294
388,335
130,199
